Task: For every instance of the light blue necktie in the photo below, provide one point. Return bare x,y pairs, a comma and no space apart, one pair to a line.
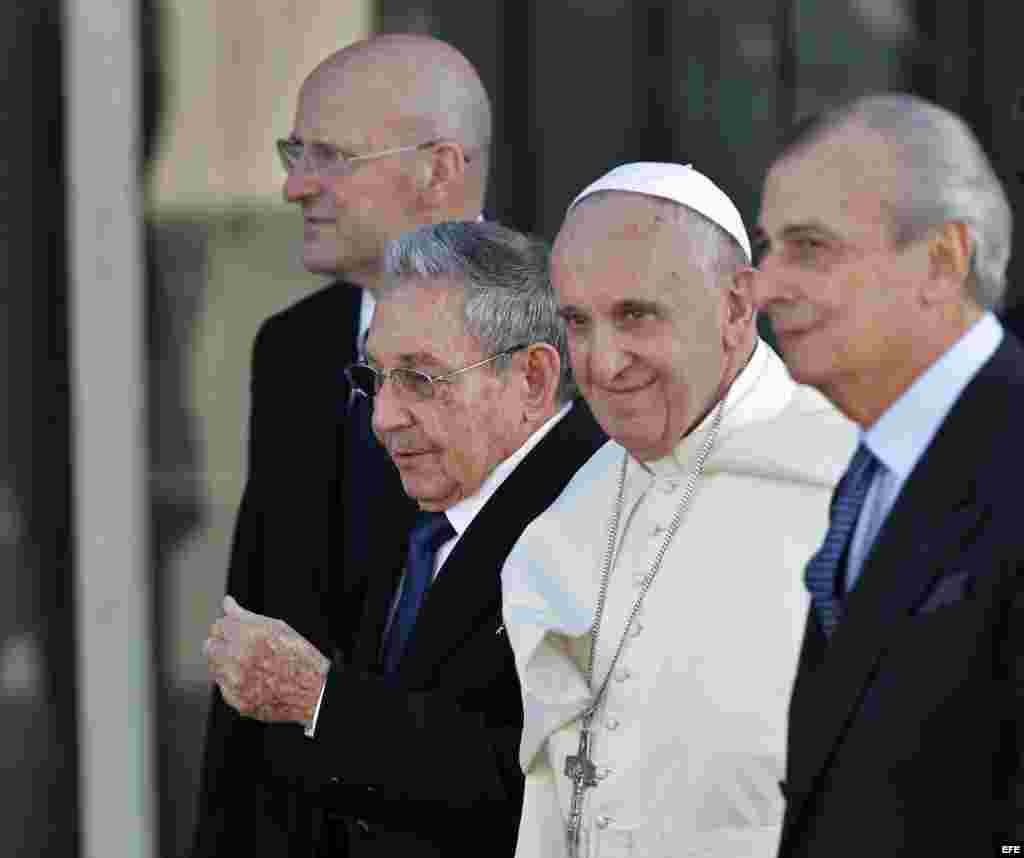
823,567
430,531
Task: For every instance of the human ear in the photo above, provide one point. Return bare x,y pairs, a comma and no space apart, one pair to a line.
445,168
543,370
949,248
738,300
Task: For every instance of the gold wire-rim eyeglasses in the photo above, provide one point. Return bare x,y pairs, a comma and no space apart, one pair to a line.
367,381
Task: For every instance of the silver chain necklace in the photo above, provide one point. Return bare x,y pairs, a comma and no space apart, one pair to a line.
579,767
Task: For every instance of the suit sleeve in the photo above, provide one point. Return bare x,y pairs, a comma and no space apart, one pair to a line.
233,796
407,758
406,741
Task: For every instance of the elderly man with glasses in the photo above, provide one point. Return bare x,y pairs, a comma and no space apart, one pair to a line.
413,741
390,133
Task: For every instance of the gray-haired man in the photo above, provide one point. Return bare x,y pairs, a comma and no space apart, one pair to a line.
886,238
417,737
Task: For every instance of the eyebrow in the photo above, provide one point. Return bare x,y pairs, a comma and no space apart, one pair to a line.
409,360
419,359
797,229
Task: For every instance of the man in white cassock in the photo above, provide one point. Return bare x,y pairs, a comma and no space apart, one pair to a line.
656,609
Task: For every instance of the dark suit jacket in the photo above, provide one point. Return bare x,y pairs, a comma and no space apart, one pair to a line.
322,518
905,730
1013,320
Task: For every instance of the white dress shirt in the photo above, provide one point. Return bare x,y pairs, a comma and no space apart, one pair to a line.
366,308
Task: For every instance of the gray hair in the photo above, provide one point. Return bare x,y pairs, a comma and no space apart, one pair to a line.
713,250
504,275
945,178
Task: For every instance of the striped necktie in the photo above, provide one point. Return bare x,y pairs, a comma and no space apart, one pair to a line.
823,567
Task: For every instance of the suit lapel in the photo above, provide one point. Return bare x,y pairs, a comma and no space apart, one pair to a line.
382,585
468,588
930,523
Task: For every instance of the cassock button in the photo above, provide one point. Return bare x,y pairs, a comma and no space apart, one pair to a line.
612,724
603,821
636,628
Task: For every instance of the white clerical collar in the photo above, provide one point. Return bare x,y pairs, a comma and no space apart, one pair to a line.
461,515
682,455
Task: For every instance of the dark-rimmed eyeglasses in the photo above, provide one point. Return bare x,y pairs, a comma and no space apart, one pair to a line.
327,158
368,380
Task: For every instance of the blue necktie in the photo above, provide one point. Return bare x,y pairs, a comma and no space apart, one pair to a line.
824,567
431,530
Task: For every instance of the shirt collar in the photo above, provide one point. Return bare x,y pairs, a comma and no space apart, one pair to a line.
366,308
901,435
461,515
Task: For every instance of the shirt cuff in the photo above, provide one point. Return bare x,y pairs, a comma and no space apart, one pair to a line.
311,729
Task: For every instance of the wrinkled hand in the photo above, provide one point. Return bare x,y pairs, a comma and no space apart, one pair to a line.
263,667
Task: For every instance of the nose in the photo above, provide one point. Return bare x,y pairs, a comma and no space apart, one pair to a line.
389,413
605,356
300,184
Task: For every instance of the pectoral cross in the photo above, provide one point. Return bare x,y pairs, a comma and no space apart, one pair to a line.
579,768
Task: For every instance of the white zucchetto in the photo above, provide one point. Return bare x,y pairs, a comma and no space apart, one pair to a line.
681,184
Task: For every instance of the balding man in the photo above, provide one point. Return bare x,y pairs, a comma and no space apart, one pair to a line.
654,609
390,133
887,236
